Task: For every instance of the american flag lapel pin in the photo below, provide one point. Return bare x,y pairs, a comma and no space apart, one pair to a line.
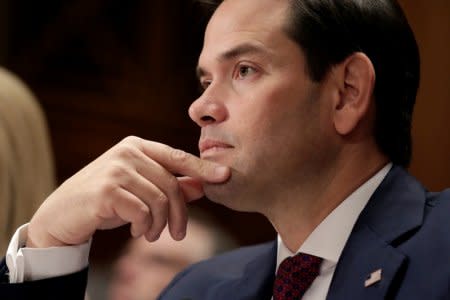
373,278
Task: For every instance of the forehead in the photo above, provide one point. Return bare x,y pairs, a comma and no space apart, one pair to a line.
240,21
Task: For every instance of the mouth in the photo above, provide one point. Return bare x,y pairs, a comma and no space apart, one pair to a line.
210,147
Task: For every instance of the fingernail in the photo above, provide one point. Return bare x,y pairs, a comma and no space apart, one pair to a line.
181,235
221,172
153,238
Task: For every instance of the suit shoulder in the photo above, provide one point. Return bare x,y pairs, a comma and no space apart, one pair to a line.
232,262
437,209
438,199
203,277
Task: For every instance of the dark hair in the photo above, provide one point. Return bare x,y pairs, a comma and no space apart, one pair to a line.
328,31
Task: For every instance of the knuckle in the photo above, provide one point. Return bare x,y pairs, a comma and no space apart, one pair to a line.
161,199
172,185
178,155
107,190
126,151
117,171
142,213
132,140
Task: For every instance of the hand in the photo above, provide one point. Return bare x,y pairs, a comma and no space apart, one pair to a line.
133,182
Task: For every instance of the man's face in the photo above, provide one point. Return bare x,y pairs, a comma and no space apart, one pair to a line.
260,113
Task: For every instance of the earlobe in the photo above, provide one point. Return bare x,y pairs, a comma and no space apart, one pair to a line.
356,84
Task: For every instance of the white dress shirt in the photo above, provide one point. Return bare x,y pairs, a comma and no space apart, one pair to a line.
326,241
26,264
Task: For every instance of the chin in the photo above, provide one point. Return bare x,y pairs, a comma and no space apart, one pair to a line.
218,193
230,194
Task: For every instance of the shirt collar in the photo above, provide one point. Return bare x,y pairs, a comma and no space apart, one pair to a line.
329,237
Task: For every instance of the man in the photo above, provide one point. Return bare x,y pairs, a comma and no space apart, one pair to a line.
308,104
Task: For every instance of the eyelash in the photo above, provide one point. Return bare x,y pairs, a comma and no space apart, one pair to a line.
250,70
236,75
203,85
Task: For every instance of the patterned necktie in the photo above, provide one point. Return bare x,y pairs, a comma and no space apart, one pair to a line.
295,275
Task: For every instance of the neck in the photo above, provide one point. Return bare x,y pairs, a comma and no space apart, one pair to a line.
303,208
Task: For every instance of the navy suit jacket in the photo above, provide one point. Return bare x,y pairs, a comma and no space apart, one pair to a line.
404,231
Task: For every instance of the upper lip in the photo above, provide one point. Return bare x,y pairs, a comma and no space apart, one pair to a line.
208,144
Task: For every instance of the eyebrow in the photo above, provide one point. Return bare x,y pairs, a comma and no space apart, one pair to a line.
234,52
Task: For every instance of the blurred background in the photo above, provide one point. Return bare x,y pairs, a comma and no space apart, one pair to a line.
105,69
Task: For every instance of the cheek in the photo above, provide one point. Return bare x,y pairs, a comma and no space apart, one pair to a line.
274,114
283,125
257,110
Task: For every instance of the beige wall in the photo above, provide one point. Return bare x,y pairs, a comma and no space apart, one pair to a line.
430,20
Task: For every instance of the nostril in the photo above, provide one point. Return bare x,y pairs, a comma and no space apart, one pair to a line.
208,119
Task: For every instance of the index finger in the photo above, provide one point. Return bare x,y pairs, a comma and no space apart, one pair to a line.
181,162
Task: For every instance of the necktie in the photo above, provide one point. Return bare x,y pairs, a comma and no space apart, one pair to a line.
295,275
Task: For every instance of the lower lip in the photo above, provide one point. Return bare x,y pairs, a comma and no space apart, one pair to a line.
213,151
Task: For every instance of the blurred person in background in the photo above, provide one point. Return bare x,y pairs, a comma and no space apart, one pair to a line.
144,269
26,160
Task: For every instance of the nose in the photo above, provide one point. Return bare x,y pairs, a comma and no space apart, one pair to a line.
206,111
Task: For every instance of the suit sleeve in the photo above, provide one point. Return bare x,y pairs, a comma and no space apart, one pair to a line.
69,287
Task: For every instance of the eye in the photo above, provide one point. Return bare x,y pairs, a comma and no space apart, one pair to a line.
245,71
204,84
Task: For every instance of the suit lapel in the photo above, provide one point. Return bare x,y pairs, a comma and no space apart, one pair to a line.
395,209
365,255
260,275
255,282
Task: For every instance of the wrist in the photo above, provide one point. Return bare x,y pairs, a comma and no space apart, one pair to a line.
38,238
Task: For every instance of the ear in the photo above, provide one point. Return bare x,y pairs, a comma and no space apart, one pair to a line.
355,79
